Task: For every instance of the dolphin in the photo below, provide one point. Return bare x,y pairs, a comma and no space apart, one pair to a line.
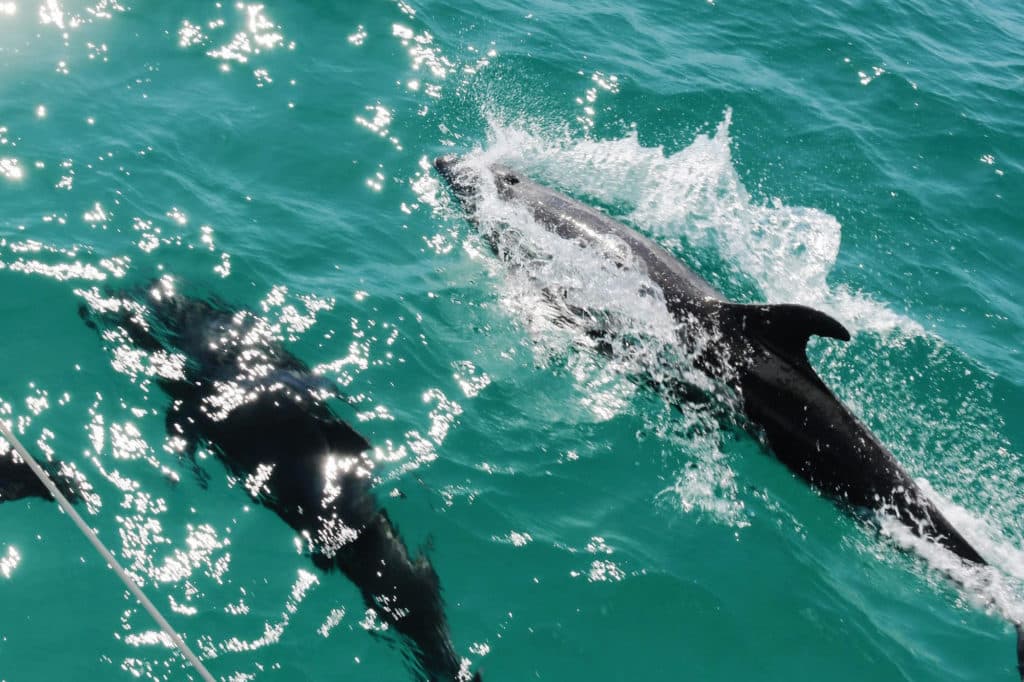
759,351
263,413
18,482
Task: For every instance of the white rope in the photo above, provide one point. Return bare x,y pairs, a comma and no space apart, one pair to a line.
45,479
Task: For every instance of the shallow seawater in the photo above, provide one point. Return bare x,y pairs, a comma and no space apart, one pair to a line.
862,158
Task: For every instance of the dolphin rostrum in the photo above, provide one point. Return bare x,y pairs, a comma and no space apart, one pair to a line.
263,413
758,350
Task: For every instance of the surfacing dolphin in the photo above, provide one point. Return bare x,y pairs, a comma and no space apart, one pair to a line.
262,412
759,351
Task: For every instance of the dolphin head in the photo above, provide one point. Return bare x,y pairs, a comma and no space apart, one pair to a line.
462,180
507,181
465,181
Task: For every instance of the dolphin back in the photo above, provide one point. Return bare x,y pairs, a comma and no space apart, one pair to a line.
260,408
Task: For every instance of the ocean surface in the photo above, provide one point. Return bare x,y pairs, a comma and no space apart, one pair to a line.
863,157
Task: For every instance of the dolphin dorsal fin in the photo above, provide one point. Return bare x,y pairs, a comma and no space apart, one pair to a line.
786,327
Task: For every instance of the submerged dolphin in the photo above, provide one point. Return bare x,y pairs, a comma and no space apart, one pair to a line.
261,410
759,351
18,482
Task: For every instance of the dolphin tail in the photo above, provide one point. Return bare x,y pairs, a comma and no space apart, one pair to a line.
1020,649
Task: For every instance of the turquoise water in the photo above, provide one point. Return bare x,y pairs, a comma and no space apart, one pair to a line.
865,158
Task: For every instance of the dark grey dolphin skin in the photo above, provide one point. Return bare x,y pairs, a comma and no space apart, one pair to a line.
262,412
18,482
760,351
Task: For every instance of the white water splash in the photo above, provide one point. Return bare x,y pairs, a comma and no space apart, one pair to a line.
696,195
998,587
548,280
